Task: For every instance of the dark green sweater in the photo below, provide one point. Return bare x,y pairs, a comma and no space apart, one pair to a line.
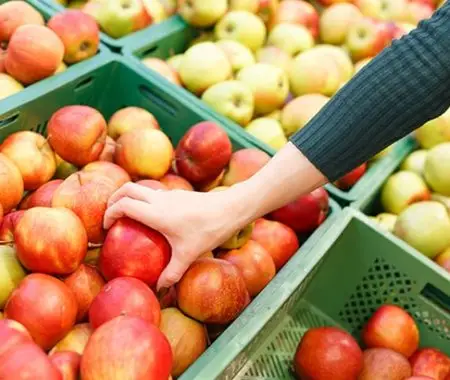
398,91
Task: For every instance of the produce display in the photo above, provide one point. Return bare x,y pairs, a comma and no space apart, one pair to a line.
78,300
390,340
31,50
415,200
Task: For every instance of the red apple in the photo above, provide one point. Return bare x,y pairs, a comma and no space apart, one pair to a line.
12,335
175,182
127,348
349,180
75,340
9,225
109,150
152,184
167,297
2,60
335,22
255,264
212,291
11,184
327,353
79,33
203,152
279,240
108,169
125,296
162,68
14,14
304,214
34,53
386,364
134,250
34,157
211,184
77,134
267,10
430,362
67,363
45,306
419,378
392,327
418,11
144,153
331,2
42,197
85,283
130,118
244,164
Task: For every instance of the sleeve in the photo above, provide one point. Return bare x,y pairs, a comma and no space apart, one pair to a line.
403,87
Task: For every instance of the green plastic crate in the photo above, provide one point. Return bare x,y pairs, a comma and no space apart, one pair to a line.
115,83
115,44
174,37
354,270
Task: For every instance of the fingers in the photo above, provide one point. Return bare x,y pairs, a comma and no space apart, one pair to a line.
131,190
173,272
132,208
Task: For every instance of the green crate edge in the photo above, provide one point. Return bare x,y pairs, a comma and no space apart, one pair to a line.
232,340
344,198
114,44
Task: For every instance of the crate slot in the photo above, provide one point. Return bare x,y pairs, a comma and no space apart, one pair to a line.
83,84
154,98
9,120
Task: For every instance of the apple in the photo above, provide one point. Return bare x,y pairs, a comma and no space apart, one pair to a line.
300,38
8,85
425,226
417,12
385,10
274,56
173,182
12,335
11,273
299,111
240,238
8,226
119,18
67,363
444,259
328,353
175,62
304,214
125,296
144,153
204,65
162,68
269,94
403,28
32,154
269,131
75,340
366,38
386,364
386,221
77,134
203,152
2,60
134,250
347,181
244,5
86,194
63,168
45,306
11,184
434,132
202,13
129,118
238,54
59,253
14,14
152,184
170,6
415,162
298,13
231,98
34,53
436,168
279,240
112,171
339,56
42,197
187,338
156,10
108,151
360,64
242,26
212,291
335,22
79,33
430,362
403,189
243,164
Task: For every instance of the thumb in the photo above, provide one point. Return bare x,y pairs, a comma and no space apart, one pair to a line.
173,272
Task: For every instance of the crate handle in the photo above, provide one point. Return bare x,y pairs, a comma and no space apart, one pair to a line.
9,120
149,51
86,82
154,98
436,296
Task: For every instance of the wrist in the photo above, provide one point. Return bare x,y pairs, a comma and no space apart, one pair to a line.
244,202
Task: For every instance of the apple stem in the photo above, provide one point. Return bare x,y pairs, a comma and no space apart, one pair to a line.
94,245
6,242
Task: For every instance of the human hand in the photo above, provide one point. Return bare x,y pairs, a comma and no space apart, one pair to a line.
192,222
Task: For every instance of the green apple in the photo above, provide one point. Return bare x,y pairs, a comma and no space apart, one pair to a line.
233,99
244,5
242,26
384,10
425,226
205,36
292,38
415,162
269,85
156,10
269,131
63,168
8,86
434,132
383,153
386,221
239,55
11,273
335,22
339,56
175,62
203,65
77,4
437,168
402,189
239,239
93,8
274,56
441,199
202,13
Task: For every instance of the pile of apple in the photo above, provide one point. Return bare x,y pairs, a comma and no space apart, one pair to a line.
86,296
391,341
31,51
118,18
416,199
271,65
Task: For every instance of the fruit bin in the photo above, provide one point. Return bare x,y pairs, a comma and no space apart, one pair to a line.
133,86
174,36
377,269
115,44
